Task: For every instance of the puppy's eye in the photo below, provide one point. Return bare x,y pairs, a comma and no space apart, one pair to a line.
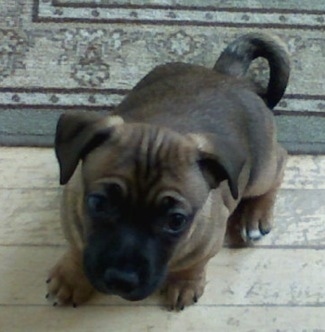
114,190
96,203
175,223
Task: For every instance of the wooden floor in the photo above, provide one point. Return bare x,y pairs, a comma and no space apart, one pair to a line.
278,285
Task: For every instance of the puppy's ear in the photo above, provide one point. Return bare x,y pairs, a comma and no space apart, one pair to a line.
76,135
219,160
215,169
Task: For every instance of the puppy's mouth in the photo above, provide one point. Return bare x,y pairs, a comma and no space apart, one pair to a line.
137,294
127,284
126,265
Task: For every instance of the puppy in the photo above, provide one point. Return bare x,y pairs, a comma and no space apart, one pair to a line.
149,189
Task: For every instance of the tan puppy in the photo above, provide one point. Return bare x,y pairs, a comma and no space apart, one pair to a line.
148,204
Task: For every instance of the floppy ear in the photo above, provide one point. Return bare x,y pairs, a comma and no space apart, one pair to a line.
215,169
219,160
76,135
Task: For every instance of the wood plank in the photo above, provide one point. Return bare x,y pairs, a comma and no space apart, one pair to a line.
241,277
305,172
31,217
151,319
38,168
299,219
28,168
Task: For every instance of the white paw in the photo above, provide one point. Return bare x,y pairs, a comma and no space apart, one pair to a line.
254,226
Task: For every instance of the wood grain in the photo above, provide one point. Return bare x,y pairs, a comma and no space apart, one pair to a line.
241,277
29,199
278,285
151,319
38,168
31,217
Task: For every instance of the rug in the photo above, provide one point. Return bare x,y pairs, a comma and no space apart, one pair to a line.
57,55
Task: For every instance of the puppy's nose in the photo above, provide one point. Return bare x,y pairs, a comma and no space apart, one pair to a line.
119,281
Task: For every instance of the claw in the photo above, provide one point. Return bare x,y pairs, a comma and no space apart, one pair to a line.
171,308
264,231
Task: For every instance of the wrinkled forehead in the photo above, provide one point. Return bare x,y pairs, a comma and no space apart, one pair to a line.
142,152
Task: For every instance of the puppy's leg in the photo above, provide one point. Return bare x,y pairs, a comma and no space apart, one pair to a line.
67,283
185,287
257,212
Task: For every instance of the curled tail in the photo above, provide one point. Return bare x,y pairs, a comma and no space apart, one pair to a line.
238,55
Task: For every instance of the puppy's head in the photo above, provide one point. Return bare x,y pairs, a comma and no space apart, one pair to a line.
143,186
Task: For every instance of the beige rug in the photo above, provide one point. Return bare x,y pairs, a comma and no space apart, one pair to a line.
68,54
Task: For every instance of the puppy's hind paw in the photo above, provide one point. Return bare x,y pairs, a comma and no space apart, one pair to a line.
255,223
251,234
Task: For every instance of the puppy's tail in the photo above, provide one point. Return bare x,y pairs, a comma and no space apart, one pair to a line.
237,57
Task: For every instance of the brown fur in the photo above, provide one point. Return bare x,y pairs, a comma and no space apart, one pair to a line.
202,137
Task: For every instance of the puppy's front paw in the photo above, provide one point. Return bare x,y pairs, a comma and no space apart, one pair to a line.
67,283
181,291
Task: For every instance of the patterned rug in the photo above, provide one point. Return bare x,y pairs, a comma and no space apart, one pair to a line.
57,55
